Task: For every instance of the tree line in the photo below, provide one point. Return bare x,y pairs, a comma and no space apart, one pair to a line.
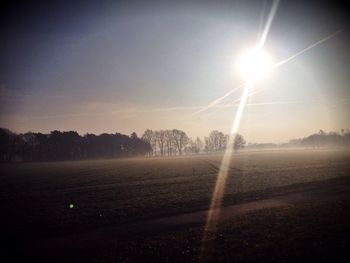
323,139
59,146
177,142
317,140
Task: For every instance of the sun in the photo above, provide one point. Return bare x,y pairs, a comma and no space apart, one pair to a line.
254,64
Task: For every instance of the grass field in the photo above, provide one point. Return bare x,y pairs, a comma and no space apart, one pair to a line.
278,206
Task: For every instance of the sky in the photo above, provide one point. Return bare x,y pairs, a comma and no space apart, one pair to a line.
124,66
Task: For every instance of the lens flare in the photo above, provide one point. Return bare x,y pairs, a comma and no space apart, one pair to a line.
254,65
216,201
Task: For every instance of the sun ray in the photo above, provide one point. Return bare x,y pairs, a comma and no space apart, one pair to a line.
282,62
218,100
216,201
268,24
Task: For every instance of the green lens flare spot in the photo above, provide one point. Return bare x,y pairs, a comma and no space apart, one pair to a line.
71,206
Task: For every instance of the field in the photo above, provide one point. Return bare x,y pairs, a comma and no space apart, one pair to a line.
279,206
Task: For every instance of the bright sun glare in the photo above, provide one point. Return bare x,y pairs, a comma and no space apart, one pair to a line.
255,64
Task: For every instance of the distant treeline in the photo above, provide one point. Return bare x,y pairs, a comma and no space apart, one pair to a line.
324,139
321,139
177,142
59,146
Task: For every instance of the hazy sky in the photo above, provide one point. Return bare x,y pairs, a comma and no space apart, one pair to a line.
128,66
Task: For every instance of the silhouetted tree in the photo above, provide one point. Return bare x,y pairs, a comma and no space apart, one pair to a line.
239,142
169,142
134,136
180,140
58,145
69,145
215,142
198,145
6,143
161,141
194,146
149,137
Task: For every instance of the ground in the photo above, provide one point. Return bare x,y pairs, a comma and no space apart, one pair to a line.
279,206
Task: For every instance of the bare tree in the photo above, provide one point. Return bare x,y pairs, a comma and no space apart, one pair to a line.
173,142
239,142
150,137
198,145
194,146
168,135
207,145
180,139
161,141
216,141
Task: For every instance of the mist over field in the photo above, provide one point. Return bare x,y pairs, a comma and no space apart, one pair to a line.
105,208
